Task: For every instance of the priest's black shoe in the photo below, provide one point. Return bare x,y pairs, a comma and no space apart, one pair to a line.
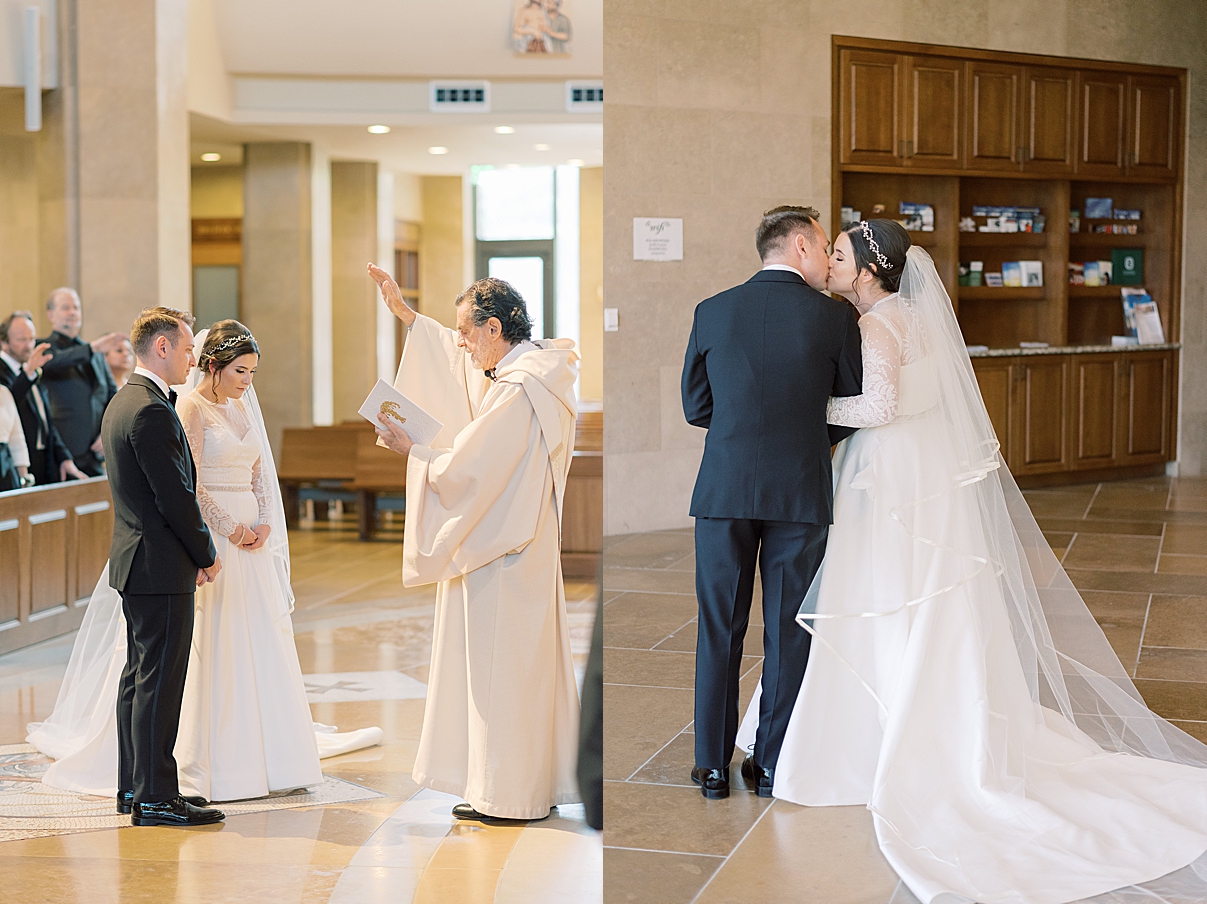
125,801
175,812
466,811
759,779
714,783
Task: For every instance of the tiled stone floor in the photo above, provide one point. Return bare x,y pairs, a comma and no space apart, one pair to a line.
1136,549
352,615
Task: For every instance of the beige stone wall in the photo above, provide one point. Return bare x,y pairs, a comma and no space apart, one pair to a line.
441,248
590,238
717,111
216,192
353,294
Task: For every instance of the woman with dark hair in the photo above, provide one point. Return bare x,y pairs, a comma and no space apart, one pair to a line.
245,725
958,686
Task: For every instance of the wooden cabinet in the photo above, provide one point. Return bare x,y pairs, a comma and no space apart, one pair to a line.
870,108
933,106
994,377
1049,120
1039,440
1153,125
1144,405
1095,410
1102,110
992,129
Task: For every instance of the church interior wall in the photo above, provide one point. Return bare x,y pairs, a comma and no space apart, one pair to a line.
717,112
442,248
216,192
591,293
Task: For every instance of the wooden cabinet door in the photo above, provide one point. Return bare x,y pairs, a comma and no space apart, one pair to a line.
1049,120
992,121
1102,107
994,377
1095,410
1039,444
1144,407
870,108
1154,125
933,98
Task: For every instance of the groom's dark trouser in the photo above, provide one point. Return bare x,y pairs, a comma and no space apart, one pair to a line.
788,554
159,632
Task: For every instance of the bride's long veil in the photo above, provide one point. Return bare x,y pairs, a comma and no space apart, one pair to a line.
1066,659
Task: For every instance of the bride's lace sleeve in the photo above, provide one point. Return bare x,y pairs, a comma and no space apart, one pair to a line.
214,515
258,487
877,404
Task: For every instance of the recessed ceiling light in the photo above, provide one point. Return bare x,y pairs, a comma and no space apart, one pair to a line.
540,147
379,130
574,161
504,130
211,157
437,150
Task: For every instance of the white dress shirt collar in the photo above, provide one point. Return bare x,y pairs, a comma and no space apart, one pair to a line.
154,378
11,361
786,268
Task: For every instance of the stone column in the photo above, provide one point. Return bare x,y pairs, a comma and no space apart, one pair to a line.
133,177
441,249
277,271
353,294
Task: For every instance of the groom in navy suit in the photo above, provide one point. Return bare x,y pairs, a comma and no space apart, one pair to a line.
761,362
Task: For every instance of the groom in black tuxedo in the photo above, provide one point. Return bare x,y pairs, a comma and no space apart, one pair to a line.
761,362
161,553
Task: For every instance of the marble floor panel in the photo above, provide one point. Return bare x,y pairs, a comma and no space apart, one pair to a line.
1137,550
364,644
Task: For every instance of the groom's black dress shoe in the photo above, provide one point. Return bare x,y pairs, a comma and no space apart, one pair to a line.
175,812
125,801
760,780
714,783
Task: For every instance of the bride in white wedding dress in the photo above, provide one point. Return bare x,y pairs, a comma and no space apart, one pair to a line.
245,727
958,686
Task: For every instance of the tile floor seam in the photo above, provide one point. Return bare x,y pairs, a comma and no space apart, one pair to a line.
656,752
617,847
1065,554
1143,628
1086,513
656,687
1160,546
654,648
732,851
651,592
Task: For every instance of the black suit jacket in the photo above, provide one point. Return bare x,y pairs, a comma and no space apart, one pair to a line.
80,385
55,450
761,362
159,539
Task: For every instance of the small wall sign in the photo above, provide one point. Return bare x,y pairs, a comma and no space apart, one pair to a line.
657,239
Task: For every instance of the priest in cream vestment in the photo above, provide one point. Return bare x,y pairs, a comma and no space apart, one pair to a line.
483,519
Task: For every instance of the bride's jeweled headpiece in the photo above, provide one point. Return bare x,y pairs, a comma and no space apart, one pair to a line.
881,260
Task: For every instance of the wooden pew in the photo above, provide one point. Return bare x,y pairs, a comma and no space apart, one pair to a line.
311,454
54,542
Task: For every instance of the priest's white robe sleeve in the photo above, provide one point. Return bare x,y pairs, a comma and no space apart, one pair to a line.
438,377
480,500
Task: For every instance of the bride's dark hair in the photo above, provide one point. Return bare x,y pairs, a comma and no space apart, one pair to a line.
226,341
892,240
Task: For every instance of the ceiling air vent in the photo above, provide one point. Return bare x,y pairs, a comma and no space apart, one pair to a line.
584,97
459,97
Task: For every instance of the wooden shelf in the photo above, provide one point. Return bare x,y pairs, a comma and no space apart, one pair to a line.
923,239
1005,293
1099,292
1112,241
1004,239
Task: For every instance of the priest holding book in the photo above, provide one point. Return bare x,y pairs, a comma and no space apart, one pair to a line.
484,508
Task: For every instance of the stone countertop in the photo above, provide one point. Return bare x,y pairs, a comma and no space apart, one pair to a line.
1070,350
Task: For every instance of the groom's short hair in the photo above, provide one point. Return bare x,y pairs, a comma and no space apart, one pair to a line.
154,322
780,222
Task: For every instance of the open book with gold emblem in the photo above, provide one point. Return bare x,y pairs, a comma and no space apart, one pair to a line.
420,426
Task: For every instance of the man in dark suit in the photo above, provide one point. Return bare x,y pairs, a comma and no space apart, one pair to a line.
761,362
78,380
20,370
161,552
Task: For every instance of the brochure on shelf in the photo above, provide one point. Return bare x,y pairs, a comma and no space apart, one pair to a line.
1098,208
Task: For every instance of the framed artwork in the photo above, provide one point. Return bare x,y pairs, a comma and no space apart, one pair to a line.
541,28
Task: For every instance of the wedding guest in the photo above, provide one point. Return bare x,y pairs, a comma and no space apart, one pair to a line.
78,380
21,371
14,458
121,363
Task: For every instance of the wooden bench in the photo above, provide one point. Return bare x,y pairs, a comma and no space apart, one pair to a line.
54,542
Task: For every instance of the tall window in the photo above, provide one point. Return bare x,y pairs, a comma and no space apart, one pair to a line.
526,232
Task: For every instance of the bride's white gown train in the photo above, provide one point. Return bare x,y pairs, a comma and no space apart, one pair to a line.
245,726
958,687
